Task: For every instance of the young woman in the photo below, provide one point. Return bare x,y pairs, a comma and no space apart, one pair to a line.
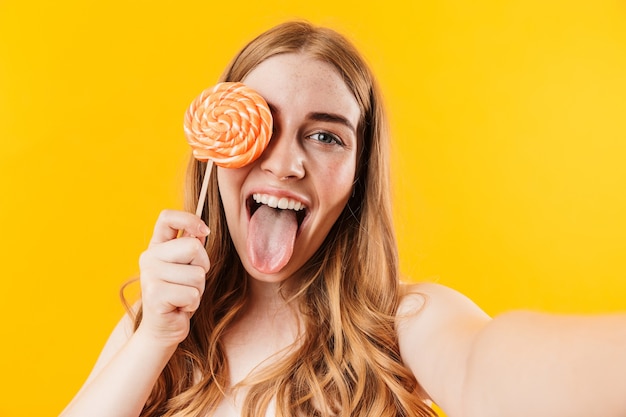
298,310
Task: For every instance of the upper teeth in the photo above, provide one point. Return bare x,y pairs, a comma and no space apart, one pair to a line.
275,202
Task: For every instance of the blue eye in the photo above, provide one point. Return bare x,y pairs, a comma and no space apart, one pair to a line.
327,138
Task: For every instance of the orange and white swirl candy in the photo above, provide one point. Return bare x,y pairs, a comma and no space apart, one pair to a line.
229,124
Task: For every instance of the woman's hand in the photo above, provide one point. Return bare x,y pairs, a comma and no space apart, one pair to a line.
173,271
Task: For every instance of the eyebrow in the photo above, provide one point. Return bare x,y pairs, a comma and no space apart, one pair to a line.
333,118
322,117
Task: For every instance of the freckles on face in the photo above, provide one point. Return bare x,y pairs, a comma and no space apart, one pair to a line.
280,208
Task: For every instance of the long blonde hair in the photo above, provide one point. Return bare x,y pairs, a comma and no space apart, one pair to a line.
347,362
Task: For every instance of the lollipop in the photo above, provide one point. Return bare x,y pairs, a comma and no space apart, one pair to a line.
229,125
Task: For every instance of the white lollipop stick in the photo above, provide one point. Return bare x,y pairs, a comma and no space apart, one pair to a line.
203,190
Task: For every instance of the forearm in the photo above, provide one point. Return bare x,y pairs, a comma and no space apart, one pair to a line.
529,364
122,387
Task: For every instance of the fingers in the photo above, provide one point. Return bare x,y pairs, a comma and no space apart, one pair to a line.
170,222
184,250
164,297
173,275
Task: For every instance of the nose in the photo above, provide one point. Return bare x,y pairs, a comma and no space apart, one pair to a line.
283,157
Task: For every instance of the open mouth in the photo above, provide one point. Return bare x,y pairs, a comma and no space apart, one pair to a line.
256,200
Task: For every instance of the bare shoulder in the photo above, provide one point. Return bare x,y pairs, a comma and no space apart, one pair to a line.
437,327
429,310
430,298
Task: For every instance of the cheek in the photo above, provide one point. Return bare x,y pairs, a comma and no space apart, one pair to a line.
337,181
229,179
229,182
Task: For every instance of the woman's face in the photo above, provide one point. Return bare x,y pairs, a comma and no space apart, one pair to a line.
280,208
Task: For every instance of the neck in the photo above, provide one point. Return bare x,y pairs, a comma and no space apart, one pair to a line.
267,317
270,298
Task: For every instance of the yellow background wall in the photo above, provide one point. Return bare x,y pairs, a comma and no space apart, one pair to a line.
510,149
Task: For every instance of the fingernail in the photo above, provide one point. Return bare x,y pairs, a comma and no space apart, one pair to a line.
204,229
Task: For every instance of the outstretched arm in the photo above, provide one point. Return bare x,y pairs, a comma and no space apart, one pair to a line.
518,364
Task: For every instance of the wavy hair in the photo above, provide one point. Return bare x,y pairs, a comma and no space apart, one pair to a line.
347,360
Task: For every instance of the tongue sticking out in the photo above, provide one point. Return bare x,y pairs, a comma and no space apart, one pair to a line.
271,236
